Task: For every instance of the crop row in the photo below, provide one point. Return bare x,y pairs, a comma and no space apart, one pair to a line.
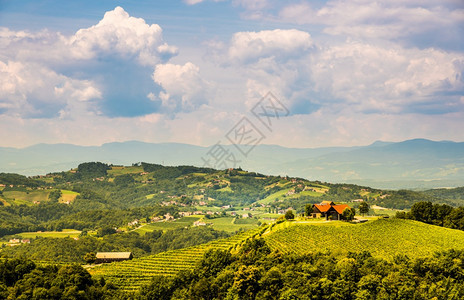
131,275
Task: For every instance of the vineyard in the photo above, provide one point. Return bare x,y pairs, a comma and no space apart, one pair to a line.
383,238
131,275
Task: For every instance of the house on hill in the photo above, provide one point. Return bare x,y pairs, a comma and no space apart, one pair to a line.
328,209
107,257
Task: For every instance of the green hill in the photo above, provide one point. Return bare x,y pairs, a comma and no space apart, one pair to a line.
384,238
131,275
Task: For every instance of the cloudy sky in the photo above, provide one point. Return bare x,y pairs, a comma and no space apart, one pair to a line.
346,72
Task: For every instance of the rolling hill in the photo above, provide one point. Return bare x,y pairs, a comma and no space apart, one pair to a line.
417,163
383,238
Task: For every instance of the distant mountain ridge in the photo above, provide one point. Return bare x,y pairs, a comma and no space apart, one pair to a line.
417,163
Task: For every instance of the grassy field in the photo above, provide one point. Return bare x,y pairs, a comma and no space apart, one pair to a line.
116,170
28,198
383,237
231,224
55,234
68,196
271,198
182,222
131,275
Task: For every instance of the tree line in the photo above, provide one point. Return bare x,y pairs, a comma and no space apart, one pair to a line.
435,214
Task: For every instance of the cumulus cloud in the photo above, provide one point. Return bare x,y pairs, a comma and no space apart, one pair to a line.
96,60
369,77
31,90
248,47
183,87
393,80
124,35
391,20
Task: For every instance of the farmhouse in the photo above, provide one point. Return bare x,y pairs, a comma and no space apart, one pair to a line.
107,257
328,209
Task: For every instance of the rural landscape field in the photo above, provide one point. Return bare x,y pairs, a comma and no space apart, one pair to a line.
232,149
201,233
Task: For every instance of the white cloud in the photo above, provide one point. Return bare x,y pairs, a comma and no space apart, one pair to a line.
252,4
193,2
184,89
124,35
33,64
388,79
32,90
377,19
247,47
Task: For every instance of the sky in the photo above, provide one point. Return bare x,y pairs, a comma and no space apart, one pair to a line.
294,73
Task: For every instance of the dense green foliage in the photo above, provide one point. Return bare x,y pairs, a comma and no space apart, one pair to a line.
71,250
23,279
16,179
455,195
257,272
92,169
441,215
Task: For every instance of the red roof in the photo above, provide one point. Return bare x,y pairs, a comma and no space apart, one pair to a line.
323,207
340,207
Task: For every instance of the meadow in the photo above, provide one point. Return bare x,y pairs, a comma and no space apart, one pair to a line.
382,237
72,233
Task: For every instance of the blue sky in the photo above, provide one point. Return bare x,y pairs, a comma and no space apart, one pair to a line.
349,72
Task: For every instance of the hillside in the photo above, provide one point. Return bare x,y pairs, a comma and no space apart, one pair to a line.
96,195
414,163
131,275
455,195
383,238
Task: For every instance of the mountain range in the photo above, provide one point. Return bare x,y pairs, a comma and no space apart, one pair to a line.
417,163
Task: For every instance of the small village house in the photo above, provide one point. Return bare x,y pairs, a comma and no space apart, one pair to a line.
328,210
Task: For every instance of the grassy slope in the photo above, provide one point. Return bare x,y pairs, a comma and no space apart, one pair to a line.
130,275
54,234
383,237
27,198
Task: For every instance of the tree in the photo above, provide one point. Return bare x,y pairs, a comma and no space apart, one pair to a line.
308,209
363,208
289,215
90,257
348,214
54,195
423,212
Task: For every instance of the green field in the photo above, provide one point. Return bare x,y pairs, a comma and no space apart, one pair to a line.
55,234
68,196
182,222
383,237
115,171
273,197
131,275
28,198
231,224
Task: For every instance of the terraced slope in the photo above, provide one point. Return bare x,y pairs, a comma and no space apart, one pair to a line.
383,237
131,275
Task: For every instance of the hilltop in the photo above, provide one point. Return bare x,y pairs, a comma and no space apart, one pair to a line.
409,164
95,195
